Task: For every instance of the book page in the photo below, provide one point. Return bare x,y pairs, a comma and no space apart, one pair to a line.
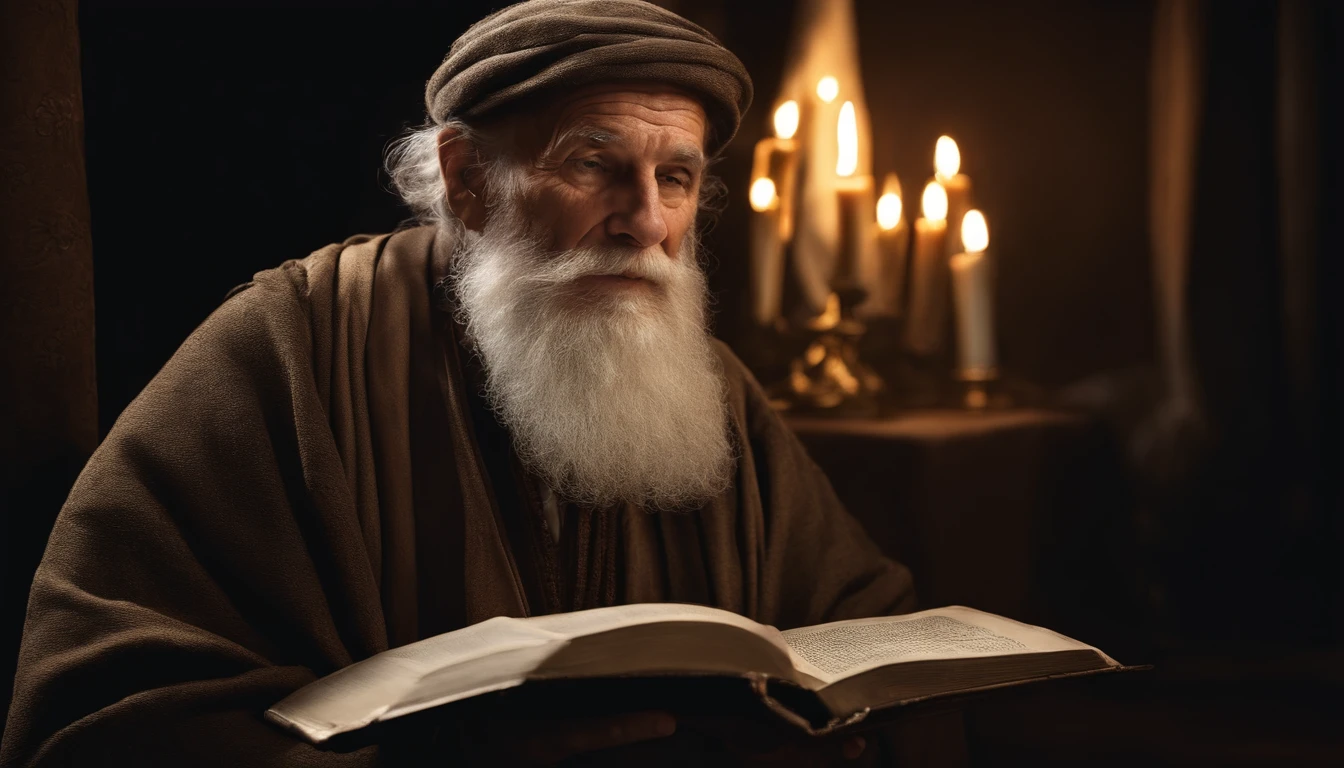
830,652
592,621
486,655
469,643
492,655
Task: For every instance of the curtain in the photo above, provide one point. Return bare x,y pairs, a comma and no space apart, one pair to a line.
1241,454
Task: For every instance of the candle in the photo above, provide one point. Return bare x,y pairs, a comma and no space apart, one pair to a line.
828,88
946,167
854,195
893,246
774,174
928,277
972,284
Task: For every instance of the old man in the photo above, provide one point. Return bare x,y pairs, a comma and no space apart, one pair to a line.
513,408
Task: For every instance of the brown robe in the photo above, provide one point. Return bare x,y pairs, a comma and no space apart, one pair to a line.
308,482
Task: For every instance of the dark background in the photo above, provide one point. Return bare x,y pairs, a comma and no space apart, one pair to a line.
223,139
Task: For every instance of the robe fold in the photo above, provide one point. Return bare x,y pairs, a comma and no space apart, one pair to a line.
306,483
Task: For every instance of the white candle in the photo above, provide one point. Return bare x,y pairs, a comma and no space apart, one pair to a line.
771,195
854,198
767,252
928,275
972,290
893,244
946,171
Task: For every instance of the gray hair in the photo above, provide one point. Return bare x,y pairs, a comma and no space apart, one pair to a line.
412,163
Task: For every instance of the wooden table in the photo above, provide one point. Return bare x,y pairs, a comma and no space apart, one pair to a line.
1021,512
1026,513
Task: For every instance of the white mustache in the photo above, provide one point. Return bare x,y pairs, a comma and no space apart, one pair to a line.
650,264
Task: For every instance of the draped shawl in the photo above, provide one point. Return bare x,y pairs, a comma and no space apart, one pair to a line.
301,487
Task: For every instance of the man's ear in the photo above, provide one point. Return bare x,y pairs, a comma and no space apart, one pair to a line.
462,180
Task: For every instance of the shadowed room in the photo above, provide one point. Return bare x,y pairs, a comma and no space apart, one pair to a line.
1044,288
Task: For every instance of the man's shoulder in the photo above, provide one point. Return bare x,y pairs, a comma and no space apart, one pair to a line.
733,367
745,393
303,302
345,268
301,319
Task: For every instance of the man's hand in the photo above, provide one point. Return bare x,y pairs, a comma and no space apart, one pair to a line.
547,742
754,741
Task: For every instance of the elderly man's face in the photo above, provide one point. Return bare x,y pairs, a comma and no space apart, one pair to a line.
582,294
621,166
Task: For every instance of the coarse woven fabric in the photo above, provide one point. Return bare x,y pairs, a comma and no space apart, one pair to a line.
302,486
541,46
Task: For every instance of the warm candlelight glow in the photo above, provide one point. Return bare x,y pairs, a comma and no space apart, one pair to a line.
891,185
847,133
946,157
828,88
762,194
934,202
889,211
824,322
786,119
974,232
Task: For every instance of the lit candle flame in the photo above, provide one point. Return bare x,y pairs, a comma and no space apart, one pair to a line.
891,185
847,133
934,202
889,211
762,194
828,88
974,232
946,157
786,119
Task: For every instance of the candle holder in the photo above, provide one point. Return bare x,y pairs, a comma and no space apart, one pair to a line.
981,390
828,378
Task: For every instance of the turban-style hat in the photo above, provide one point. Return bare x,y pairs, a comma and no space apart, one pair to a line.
542,46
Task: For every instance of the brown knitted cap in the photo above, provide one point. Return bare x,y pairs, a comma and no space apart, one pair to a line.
541,46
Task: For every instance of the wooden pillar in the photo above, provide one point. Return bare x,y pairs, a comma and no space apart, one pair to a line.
48,398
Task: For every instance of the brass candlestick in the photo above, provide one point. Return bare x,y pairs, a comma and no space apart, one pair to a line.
977,384
829,378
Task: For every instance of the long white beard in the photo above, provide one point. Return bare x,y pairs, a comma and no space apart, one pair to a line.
610,395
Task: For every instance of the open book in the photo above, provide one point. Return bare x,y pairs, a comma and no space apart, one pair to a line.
821,678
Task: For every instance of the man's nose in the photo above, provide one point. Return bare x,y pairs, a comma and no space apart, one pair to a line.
638,218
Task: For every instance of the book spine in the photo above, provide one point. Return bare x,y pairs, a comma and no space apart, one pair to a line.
760,685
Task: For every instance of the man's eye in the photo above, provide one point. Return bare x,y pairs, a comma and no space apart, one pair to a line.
677,180
589,164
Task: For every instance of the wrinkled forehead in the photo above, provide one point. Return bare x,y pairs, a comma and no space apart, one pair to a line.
611,110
